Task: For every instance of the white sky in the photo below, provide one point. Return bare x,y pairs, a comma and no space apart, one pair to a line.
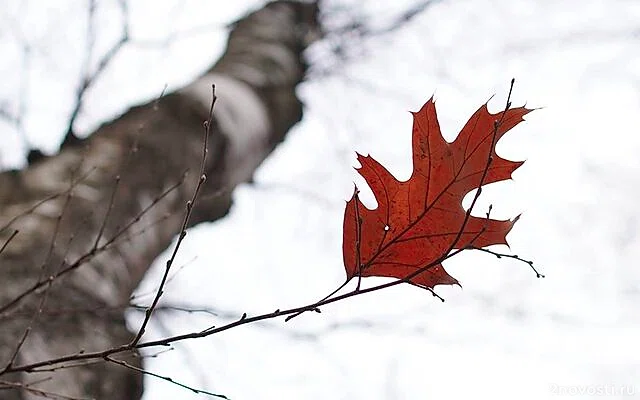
506,334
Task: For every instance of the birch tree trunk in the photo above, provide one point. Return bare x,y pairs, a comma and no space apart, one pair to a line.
91,219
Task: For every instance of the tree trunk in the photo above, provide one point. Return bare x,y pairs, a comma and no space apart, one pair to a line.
91,219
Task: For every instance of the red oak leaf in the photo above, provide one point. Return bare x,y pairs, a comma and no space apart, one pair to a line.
418,222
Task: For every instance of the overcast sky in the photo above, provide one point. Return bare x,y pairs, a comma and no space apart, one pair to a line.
504,335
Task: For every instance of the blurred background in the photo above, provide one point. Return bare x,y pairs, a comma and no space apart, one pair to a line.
505,334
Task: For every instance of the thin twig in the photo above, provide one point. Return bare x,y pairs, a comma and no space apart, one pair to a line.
37,392
9,239
183,230
485,171
512,256
164,378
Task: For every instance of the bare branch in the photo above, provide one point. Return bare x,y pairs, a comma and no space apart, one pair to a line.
90,77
